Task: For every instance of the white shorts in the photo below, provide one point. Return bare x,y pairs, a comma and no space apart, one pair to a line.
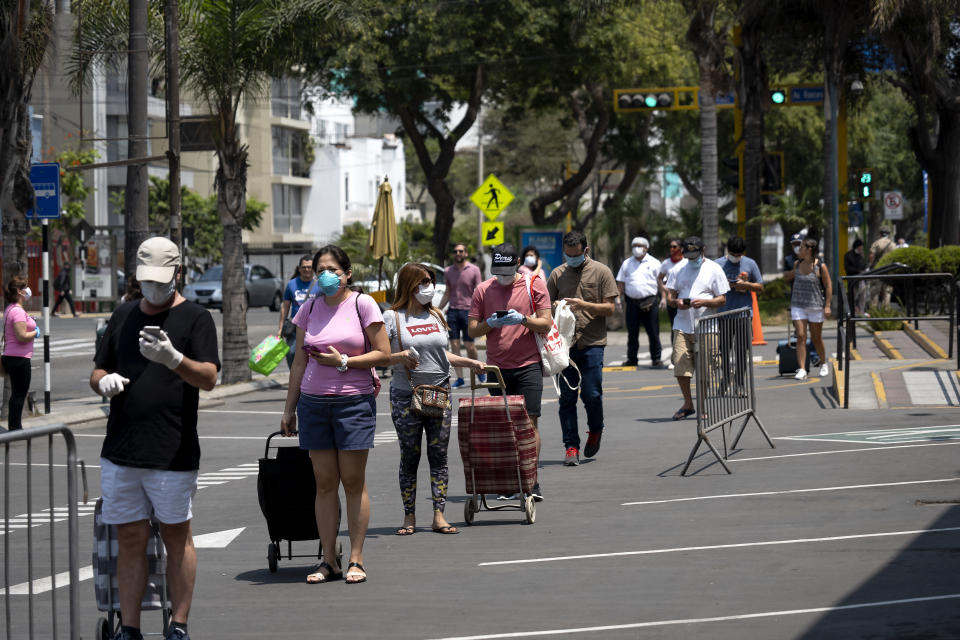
131,494
810,315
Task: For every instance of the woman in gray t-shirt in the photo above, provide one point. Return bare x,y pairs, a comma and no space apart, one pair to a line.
418,345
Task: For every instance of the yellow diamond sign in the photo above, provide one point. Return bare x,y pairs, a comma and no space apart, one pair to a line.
492,197
492,233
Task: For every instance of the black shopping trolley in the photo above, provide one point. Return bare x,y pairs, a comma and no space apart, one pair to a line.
287,492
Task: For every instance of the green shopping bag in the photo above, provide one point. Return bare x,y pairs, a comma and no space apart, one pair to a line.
268,354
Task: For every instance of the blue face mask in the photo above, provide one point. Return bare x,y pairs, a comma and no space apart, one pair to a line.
329,283
575,261
697,263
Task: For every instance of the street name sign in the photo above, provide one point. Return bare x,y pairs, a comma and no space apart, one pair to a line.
492,198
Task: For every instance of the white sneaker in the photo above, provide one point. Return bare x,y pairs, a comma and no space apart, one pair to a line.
670,366
824,371
801,374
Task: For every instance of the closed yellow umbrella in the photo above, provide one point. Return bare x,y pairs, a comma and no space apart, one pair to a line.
384,242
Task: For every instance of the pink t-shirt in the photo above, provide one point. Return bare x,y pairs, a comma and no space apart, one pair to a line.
11,346
462,284
513,346
339,327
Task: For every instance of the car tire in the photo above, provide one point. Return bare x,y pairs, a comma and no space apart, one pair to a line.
276,302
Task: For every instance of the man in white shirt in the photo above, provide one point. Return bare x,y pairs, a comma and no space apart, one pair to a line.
638,285
696,289
674,261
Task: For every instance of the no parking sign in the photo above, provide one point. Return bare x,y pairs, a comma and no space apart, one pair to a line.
893,205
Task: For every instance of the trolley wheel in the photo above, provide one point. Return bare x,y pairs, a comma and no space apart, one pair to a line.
104,632
529,510
273,554
469,508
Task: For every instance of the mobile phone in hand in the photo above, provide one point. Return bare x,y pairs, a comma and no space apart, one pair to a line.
501,314
153,332
686,302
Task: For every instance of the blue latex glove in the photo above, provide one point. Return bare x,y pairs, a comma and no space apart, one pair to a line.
39,332
512,318
494,322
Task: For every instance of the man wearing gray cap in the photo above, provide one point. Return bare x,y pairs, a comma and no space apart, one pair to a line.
638,285
156,354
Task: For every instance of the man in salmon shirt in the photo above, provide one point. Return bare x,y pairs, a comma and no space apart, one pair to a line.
501,309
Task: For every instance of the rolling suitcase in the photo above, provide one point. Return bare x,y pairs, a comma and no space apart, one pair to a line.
787,354
498,446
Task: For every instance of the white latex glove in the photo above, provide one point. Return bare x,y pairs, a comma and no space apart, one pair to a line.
160,350
112,384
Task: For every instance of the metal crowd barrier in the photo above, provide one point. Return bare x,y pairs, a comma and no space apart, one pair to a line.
847,319
724,376
18,533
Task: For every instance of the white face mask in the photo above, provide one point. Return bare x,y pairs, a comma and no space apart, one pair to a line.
639,252
530,261
505,281
27,293
158,293
424,294
796,249
734,259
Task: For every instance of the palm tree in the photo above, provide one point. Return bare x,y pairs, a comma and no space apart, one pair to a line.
229,51
25,33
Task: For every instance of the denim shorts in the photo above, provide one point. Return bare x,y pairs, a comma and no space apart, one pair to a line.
457,321
346,423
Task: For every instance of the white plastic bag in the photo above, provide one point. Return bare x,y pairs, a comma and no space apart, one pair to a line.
555,345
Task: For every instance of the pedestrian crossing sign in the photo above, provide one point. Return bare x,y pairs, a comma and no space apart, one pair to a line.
492,233
492,198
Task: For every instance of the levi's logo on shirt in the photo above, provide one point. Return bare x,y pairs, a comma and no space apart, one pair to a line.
423,329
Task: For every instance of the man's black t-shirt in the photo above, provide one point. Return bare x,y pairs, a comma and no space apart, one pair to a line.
153,423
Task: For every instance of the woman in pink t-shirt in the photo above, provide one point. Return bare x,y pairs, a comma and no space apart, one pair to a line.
332,391
19,330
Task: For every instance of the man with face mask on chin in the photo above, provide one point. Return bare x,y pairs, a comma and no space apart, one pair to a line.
696,289
156,354
590,290
638,284
502,310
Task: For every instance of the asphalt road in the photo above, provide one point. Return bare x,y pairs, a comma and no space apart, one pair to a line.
832,536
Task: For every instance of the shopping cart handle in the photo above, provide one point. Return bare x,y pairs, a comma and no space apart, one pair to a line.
489,370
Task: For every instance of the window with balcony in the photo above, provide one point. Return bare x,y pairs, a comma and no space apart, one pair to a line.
292,152
285,98
287,208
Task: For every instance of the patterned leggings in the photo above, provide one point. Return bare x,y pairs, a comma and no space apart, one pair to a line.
410,427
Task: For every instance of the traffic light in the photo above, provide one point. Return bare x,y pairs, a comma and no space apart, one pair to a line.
732,179
865,187
645,101
772,181
778,96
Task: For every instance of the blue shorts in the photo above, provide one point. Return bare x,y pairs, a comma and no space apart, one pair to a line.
345,423
457,321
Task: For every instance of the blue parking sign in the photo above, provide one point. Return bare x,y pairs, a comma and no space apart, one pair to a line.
45,177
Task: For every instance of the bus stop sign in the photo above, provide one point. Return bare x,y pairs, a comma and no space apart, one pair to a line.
45,177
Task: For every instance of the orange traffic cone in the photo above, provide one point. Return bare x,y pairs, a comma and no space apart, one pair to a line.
757,328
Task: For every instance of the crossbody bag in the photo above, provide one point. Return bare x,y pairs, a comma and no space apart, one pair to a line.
429,400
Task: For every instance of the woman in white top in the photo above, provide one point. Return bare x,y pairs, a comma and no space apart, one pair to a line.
419,355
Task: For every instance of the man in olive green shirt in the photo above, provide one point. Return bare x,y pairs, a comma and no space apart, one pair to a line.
591,291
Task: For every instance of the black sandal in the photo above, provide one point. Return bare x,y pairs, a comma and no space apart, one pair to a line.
683,413
358,566
330,576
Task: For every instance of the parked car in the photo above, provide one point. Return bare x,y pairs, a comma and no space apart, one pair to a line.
263,288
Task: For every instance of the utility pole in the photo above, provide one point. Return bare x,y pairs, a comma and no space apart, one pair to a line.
480,259
172,54
136,199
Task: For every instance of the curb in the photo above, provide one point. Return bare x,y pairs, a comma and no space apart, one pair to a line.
924,342
837,381
884,345
208,399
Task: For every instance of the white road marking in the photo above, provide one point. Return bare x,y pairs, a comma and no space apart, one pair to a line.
742,616
823,453
23,520
736,545
774,493
217,539
884,430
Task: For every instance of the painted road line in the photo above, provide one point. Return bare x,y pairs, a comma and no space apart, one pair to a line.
924,341
824,453
891,352
932,387
788,491
896,435
879,390
882,430
714,547
42,585
43,517
741,616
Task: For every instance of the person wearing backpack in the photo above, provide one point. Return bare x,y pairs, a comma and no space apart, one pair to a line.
810,303
591,291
